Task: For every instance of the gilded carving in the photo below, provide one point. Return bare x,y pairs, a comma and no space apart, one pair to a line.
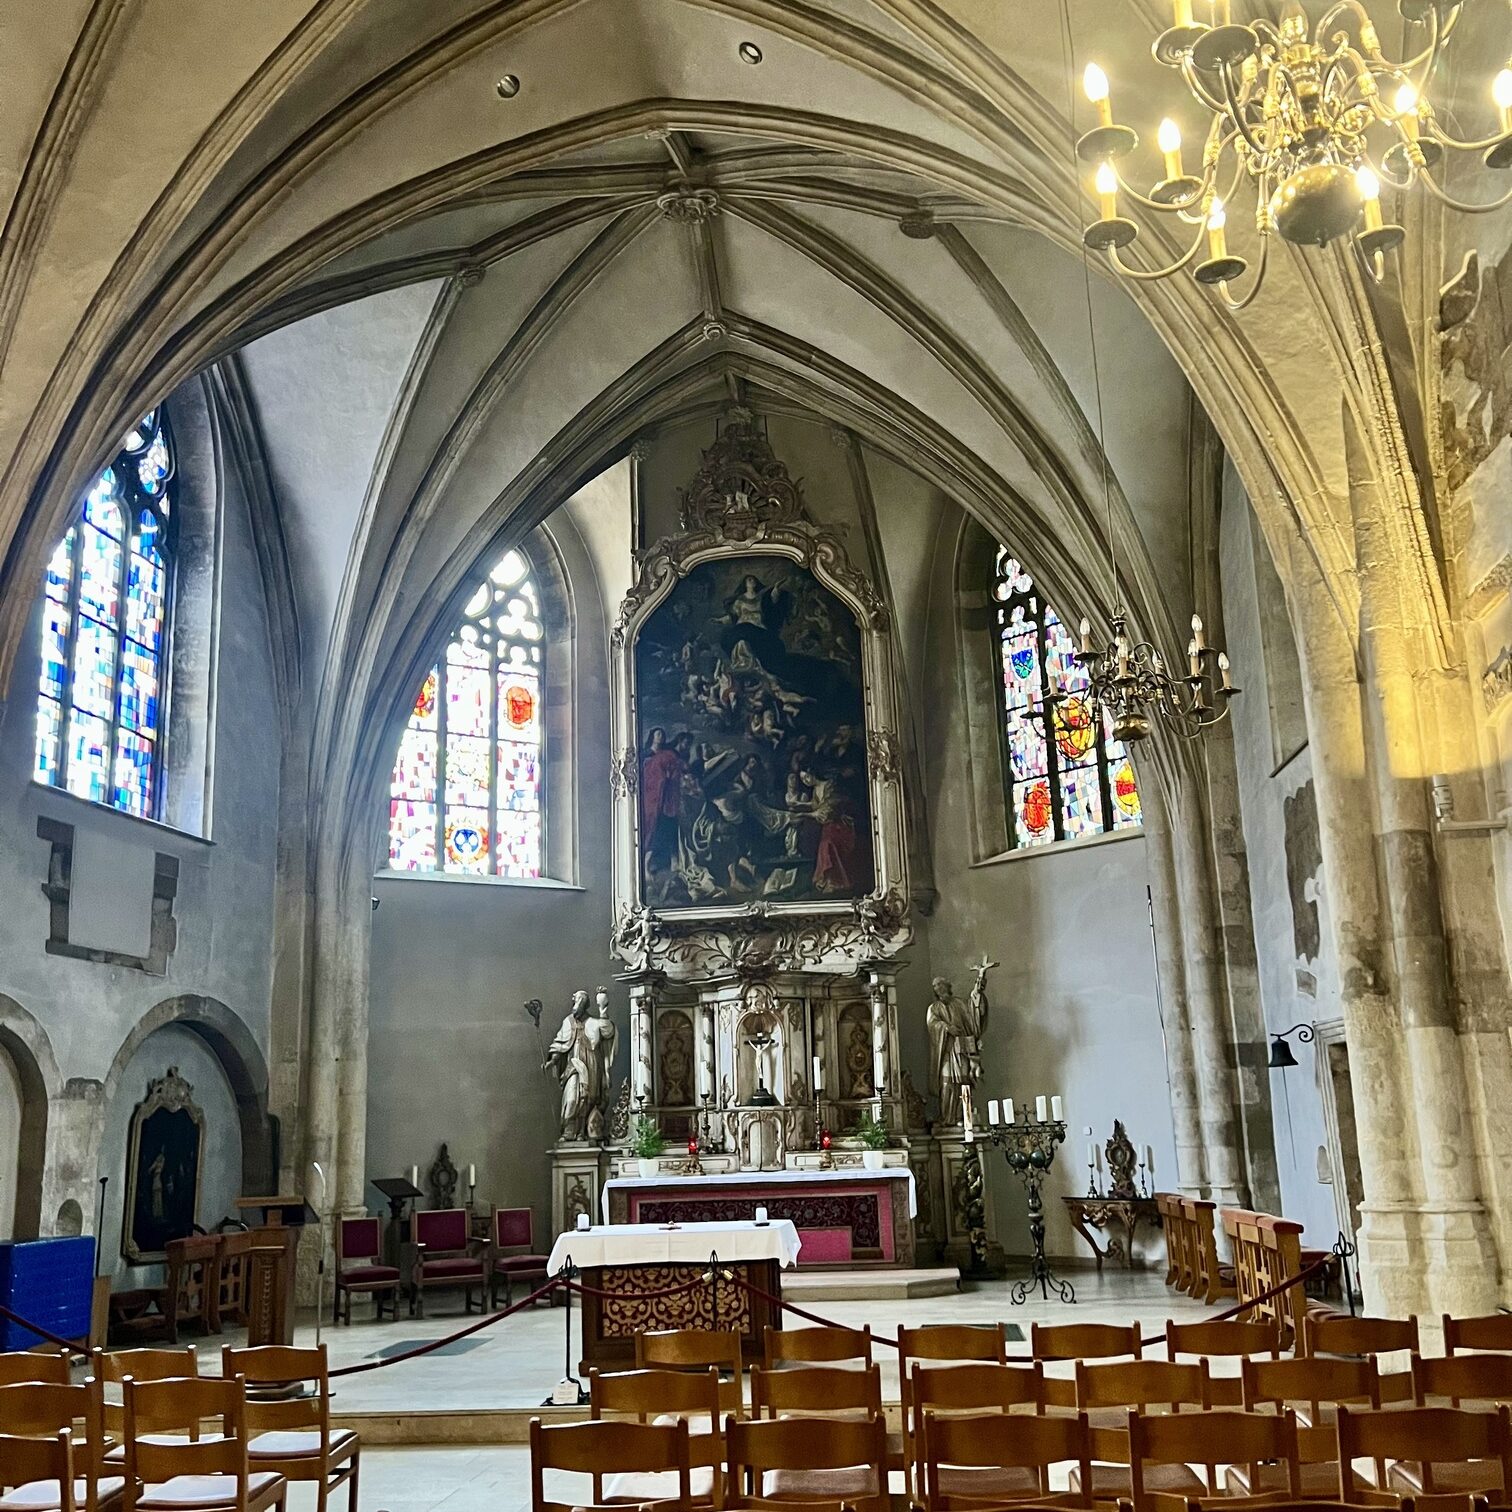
624,773
1496,680
884,755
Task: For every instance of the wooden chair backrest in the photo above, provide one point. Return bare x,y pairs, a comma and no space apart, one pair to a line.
1461,1378
1084,1341
113,1366
44,1407
27,1365
283,1364
654,1395
696,1349
603,1448
1339,1334
193,1265
1258,1336
1314,1385
995,1440
815,1345
1428,1436
171,1407
816,1390
809,1443
1491,1332
1267,1252
977,1388
235,1270
361,1239
1218,1437
954,1341
1142,1384
23,1460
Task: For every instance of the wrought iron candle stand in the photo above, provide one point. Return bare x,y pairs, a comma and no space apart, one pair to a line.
1029,1148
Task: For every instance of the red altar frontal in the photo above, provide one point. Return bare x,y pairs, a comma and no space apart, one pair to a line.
843,1218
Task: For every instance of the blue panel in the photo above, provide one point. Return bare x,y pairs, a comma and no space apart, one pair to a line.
49,1282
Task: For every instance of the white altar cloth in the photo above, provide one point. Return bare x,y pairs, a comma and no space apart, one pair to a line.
765,1178
687,1244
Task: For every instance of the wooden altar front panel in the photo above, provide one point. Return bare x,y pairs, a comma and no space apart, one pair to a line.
873,1216
616,1307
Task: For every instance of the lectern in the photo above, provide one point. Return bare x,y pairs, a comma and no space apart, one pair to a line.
271,1265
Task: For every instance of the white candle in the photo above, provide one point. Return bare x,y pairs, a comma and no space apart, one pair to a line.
1150,1159
472,1175
582,1222
970,1135
1057,1110
1008,1114
414,1176
818,1075
1039,1110
1091,1154
966,1106
994,1109
1097,1154
761,1216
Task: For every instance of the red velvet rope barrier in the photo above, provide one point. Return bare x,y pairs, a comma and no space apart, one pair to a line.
639,1296
71,1345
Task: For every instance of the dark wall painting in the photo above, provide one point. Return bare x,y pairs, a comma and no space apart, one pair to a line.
751,723
162,1169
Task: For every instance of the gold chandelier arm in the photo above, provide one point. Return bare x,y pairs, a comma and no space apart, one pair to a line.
1142,275
1236,109
1437,37
1236,306
1198,87
1465,209
1442,137
1195,198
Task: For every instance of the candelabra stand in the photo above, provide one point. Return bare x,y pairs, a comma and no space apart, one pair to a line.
1030,1151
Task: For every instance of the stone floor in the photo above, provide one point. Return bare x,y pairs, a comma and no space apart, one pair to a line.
514,1365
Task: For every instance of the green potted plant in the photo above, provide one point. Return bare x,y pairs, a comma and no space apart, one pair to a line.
646,1144
872,1132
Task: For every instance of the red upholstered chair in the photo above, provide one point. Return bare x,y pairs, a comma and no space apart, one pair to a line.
443,1255
511,1254
360,1268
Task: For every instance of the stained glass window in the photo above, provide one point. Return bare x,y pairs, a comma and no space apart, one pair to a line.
100,691
467,785
1066,776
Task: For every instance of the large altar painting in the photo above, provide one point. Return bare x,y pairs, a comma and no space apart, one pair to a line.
751,722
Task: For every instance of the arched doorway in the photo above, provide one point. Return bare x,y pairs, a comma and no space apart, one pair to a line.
24,1053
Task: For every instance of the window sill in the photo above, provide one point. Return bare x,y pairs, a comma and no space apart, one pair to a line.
154,826
1063,847
540,884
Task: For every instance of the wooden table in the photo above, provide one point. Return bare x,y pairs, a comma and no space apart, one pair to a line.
1096,1213
626,1265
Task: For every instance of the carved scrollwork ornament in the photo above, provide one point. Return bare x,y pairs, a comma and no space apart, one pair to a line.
624,773
884,755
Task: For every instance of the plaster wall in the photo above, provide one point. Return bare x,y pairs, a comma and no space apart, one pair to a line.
1298,975
10,1142
224,905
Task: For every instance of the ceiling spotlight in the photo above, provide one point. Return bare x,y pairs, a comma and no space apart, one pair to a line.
749,52
508,87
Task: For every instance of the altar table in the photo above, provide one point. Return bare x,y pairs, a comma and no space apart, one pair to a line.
620,1263
846,1217
1088,1213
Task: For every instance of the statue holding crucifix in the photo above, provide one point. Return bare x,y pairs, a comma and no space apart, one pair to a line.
955,1040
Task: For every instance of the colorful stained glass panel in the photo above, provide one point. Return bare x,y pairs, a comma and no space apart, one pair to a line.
88,750
55,623
519,844
412,836
467,840
154,466
424,716
519,705
1081,803
468,772
1033,812
467,693
49,741
519,777
94,672
139,689
60,569
133,773
415,770
100,577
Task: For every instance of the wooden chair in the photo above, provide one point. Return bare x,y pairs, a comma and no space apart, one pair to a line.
1079,1341
1230,1339
817,1391
1211,1279
208,1474
1267,1253
232,1276
511,1253
983,1344
45,1410
1107,1393
1485,1379
1491,1332
1432,1450
442,1253
1168,1210
21,1366
602,1449
294,1435
193,1284
801,1459
1314,1388
815,1346
112,1367
1339,1334
1159,1446
955,1389
360,1269
38,1472
697,1349
654,1396
985,1448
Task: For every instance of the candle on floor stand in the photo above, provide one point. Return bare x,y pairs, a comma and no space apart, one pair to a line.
1008,1113
1040,1110
1057,1110
472,1175
994,1111
414,1175
818,1075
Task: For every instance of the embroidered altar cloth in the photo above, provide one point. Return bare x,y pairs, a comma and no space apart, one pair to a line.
625,1244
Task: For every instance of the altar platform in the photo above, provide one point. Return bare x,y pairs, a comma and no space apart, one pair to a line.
848,1217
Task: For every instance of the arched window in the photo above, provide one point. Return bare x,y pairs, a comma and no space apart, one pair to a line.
466,790
101,696
1066,776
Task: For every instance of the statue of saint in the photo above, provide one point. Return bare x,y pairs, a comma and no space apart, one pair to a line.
573,1056
955,1040
602,1037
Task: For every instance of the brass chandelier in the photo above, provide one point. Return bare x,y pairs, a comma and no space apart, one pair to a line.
1313,120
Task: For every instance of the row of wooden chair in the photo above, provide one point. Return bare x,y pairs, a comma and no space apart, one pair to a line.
1191,1236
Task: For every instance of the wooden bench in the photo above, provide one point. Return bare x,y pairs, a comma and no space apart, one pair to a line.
1267,1251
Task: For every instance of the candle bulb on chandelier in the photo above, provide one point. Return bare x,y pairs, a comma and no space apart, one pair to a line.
1095,83
1122,644
1197,618
1086,636
1169,139
1223,672
1370,191
1217,219
1501,93
1182,12
1406,106
1107,192
1222,13
1194,658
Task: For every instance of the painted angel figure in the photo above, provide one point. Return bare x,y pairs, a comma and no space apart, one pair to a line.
955,1040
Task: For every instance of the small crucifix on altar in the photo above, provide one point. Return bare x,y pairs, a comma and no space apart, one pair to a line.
761,1042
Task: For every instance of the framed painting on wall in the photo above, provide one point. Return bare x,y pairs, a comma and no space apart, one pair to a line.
163,1160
